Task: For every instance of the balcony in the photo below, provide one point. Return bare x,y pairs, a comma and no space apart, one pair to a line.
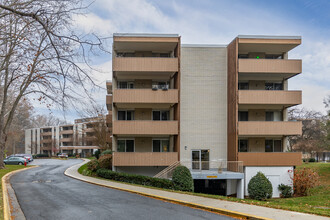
109,100
108,118
145,96
89,130
45,148
145,127
268,97
66,132
70,139
270,158
144,158
44,141
145,64
290,67
269,128
49,133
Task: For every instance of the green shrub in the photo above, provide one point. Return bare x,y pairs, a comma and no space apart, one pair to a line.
97,154
105,161
40,155
285,191
311,160
182,179
93,165
259,187
136,179
106,152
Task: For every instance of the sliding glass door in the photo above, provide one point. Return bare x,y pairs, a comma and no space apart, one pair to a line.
200,159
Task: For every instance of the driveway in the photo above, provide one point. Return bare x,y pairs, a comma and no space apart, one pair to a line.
46,193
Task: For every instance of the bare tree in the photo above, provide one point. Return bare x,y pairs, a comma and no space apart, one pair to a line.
39,121
42,57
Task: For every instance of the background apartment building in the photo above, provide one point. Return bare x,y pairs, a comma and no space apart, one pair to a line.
72,138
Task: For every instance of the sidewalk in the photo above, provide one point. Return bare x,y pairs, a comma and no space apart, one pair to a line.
250,211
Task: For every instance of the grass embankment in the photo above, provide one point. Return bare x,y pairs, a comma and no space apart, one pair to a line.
8,169
317,202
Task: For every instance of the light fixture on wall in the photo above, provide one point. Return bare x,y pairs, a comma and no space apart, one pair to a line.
185,147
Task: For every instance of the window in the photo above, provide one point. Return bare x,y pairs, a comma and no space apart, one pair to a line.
160,85
160,145
243,56
274,56
273,86
160,115
243,86
273,146
269,116
125,145
243,116
243,146
125,115
125,85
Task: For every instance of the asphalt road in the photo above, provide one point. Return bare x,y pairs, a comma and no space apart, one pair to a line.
46,193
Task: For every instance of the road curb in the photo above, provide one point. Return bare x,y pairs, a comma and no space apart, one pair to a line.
230,213
7,210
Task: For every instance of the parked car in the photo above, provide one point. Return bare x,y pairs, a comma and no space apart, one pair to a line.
19,155
63,155
30,156
14,160
27,156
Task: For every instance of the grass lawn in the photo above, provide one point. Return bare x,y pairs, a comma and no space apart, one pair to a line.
8,169
317,202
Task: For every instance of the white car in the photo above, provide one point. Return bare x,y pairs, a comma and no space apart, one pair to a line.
63,155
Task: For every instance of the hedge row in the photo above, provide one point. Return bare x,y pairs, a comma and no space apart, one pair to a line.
40,155
136,179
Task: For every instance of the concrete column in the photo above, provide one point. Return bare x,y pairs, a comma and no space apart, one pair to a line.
240,189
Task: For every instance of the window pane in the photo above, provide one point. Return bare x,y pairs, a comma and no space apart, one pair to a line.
269,116
269,86
121,115
277,146
165,146
205,157
156,115
156,145
243,146
243,116
243,86
129,145
130,115
269,146
165,115
121,145
278,86
122,85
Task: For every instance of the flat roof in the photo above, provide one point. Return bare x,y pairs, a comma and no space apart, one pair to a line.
143,35
204,45
269,37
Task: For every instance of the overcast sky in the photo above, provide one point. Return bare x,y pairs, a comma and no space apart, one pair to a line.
218,22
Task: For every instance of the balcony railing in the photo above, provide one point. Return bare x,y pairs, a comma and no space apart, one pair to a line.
265,97
66,132
144,158
265,128
145,64
49,133
70,139
269,66
145,127
270,158
145,96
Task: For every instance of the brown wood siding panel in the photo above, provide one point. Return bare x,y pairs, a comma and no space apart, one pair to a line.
145,127
269,66
269,41
66,140
145,96
178,105
109,100
232,100
144,64
66,132
146,39
264,128
46,133
144,158
270,159
269,97
46,141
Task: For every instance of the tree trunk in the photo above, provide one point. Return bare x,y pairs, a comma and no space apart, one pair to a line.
2,150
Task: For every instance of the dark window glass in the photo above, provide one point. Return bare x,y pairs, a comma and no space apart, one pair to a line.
165,146
278,86
121,115
269,146
129,145
156,145
243,56
165,115
269,86
122,85
277,146
269,116
243,146
273,86
156,115
130,115
243,116
243,86
205,159
164,55
121,145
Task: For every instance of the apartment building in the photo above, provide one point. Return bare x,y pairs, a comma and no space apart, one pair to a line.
72,138
220,110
